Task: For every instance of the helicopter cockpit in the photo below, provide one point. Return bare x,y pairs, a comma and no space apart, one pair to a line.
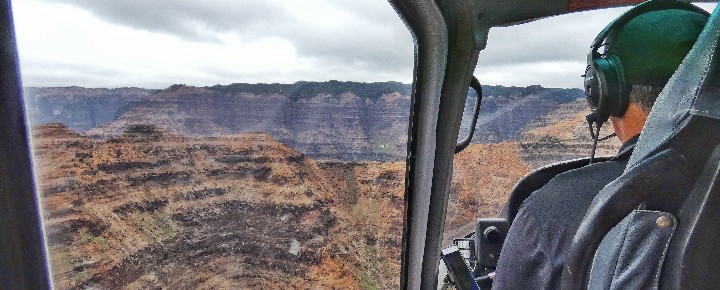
659,226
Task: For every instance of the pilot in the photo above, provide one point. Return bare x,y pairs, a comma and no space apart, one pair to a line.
628,66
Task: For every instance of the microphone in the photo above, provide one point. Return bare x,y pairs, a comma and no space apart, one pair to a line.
594,119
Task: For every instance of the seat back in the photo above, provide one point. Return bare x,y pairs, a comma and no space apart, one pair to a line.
673,170
537,179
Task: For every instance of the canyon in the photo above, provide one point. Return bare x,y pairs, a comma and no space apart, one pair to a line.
237,187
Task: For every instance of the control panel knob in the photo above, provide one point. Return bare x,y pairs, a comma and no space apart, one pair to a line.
492,234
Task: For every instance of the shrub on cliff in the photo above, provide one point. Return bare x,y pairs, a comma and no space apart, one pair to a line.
142,129
305,89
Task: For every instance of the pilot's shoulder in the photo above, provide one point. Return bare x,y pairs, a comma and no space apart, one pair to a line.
574,188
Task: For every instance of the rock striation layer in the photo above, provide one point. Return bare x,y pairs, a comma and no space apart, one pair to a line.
325,120
152,209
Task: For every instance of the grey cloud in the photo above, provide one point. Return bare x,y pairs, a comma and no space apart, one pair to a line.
379,12
520,52
376,39
522,75
561,38
58,73
186,18
371,42
372,38
374,49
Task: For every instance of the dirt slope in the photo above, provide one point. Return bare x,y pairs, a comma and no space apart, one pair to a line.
150,209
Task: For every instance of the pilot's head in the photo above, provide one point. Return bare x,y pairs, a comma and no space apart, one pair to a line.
633,58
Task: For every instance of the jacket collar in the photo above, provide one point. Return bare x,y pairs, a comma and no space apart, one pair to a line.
627,148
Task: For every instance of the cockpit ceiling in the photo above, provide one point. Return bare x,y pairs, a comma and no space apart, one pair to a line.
504,13
577,5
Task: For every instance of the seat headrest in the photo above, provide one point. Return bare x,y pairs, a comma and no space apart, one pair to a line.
694,90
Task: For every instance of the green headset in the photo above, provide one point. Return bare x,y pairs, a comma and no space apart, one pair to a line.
606,88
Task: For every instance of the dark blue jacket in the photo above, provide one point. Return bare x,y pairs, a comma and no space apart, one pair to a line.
540,236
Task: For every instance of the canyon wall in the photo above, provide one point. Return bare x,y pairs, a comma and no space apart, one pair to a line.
79,108
325,120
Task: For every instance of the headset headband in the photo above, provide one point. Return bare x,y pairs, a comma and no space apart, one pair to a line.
648,6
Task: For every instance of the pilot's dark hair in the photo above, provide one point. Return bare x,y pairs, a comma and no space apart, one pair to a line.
644,96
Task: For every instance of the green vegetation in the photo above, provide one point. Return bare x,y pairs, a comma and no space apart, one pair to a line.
352,188
367,281
61,261
164,230
304,89
169,231
560,95
99,240
142,129
79,277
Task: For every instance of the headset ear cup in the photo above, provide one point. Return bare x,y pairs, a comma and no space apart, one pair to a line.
614,91
621,99
592,87
603,87
613,96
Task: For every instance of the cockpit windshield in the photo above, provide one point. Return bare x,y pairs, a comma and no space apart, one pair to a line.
262,144
218,145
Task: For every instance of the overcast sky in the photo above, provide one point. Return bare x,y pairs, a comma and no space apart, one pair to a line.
154,44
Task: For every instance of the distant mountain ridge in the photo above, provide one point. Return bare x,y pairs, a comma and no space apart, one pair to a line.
506,112
306,90
326,120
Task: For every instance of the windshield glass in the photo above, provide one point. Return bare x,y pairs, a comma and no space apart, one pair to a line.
533,118
515,201
536,118
213,145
